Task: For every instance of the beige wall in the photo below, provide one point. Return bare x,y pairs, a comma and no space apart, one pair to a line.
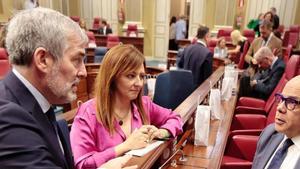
7,6
74,9
148,24
297,17
210,14
177,7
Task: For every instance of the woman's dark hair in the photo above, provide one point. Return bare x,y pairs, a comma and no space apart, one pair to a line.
173,20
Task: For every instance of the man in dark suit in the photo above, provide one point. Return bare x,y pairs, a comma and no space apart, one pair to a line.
276,20
198,58
104,29
271,68
46,50
265,80
279,143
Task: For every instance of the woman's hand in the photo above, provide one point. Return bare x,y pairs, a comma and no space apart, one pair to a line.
137,139
154,132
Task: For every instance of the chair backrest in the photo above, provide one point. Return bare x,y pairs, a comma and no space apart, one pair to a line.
96,23
4,63
112,40
212,43
75,18
173,87
241,64
281,29
285,40
249,34
99,54
287,54
294,35
226,33
132,30
246,142
91,36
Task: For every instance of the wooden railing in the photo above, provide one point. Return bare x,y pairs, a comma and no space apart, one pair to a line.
198,157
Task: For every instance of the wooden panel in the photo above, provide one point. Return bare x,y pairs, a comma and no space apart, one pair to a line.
138,42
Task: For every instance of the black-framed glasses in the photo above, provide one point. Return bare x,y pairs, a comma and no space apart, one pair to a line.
289,102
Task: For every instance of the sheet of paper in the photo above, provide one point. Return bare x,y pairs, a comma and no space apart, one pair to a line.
143,151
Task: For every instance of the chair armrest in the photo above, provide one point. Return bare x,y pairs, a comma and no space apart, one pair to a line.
251,102
242,145
248,121
253,132
230,164
249,110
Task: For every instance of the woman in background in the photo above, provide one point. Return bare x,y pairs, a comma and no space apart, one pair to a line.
238,41
119,118
220,51
172,34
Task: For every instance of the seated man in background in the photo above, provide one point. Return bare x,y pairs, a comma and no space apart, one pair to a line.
265,80
266,39
104,29
279,143
198,58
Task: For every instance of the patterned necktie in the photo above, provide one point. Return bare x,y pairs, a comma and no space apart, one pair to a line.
280,155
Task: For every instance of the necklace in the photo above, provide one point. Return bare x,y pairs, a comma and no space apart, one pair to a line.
121,122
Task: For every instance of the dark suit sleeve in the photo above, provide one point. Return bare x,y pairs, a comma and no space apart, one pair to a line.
266,87
208,64
181,58
21,144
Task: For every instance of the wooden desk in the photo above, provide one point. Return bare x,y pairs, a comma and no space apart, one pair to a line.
210,156
182,43
138,42
219,130
171,59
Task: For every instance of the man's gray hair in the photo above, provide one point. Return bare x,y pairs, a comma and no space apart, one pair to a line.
39,27
263,52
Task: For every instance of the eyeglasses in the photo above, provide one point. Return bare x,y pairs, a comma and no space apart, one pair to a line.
289,102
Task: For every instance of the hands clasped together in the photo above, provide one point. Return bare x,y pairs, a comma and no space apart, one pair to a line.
142,136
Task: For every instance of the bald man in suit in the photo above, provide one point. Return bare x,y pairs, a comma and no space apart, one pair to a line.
285,129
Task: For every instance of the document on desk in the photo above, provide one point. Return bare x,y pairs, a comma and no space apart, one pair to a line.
143,151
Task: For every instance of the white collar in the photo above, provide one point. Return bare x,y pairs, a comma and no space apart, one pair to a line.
42,101
296,141
273,62
201,42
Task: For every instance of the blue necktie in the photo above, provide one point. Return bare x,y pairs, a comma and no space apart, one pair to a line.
280,155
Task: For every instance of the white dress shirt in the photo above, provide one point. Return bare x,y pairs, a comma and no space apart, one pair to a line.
292,156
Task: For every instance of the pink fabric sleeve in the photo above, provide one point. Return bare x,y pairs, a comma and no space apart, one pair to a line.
83,142
163,118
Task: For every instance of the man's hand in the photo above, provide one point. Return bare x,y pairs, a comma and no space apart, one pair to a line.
118,163
253,83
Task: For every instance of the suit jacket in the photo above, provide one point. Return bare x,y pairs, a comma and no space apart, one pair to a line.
275,22
198,59
108,31
274,43
268,79
27,136
268,141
